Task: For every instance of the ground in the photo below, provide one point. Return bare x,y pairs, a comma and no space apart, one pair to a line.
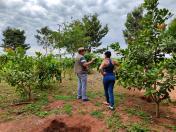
60,111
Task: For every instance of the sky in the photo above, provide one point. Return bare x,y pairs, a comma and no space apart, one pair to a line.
30,15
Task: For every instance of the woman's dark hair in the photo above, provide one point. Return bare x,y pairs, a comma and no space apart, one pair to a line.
108,54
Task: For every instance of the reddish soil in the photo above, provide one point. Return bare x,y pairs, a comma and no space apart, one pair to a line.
133,100
52,123
54,105
82,121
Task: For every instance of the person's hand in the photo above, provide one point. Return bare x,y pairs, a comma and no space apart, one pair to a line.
104,73
93,59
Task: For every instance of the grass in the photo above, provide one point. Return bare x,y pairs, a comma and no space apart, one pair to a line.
7,95
136,127
173,128
93,95
67,93
170,127
119,98
141,114
33,108
98,104
56,111
64,97
6,117
114,122
42,114
68,109
97,114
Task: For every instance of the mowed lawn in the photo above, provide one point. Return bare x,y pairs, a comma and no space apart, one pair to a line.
59,103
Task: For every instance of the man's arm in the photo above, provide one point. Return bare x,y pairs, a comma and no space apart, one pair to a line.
85,64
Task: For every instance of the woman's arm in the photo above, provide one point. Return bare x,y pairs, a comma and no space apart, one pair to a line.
101,68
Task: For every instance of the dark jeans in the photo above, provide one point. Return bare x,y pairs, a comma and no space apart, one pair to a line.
108,82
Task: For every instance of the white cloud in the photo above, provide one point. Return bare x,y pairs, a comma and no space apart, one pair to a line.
34,14
33,9
51,3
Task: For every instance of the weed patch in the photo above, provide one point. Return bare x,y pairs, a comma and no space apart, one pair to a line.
68,109
97,114
139,113
137,128
114,122
63,97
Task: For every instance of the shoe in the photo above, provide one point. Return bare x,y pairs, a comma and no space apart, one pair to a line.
105,103
111,107
79,97
85,100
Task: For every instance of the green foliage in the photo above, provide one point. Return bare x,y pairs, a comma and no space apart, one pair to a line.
18,72
87,32
74,36
28,74
36,107
97,62
43,38
67,63
94,30
144,65
14,38
47,69
133,25
169,43
56,39
116,47
33,108
172,28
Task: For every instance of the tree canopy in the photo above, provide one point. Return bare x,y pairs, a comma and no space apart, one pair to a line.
144,65
94,30
14,38
43,38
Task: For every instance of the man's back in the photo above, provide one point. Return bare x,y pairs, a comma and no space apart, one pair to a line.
78,67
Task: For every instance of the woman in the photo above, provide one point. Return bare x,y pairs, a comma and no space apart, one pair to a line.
106,69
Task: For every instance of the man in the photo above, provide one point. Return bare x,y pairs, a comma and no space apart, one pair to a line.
81,69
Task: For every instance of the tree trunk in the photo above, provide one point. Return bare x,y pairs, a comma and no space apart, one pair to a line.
29,94
61,79
157,110
70,75
46,50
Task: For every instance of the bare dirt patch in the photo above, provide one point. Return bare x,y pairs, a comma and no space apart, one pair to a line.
59,126
55,104
77,123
